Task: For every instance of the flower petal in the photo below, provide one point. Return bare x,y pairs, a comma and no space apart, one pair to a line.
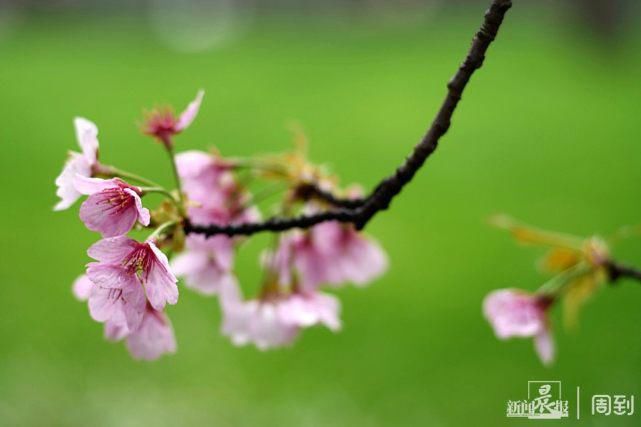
99,214
193,163
188,262
513,314
143,213
311,309
188,116
104,303
236,320
363,261
110,276
159,281
82,288
87,135
154,338
115,330
112,250
268,329
75,165
134,304
544,346
87,185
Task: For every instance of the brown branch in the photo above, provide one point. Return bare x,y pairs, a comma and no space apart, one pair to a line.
311,191
618,271
361,212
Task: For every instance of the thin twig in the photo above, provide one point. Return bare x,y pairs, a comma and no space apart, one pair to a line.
381,197
618,271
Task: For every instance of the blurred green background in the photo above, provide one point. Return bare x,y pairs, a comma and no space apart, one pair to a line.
548,131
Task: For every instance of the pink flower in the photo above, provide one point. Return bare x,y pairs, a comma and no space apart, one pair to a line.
309,309
276,320
123,263
200,171
514,313
78,163
214,195
153,338
257,322
117,323
113,206
82,288
126,314
332,253
115,330
119,308
206,264
162,124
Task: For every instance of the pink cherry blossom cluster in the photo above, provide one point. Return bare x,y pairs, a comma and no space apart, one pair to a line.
578,267
131,282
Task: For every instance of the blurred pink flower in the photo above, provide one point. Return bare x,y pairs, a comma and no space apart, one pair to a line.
77,163
113,206
206,264
257,322
115,329
153,338
162,124
81,288
331,253
214,195
123,263
309,309
276,320
514,313
196,167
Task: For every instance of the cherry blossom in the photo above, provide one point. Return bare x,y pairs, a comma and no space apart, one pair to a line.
113,206
206,264
153,338
126,314
311,308
214,198
81,288
78,163
162,123
214,195
258,322
276,318
514,313
129,284
119,308
332,253
123,263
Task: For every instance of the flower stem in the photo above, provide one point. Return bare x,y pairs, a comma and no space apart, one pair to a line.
161,228
555,285
260,165
172,159
114,172
164,192
158,190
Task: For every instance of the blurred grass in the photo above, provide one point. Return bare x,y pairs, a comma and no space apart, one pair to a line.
548,131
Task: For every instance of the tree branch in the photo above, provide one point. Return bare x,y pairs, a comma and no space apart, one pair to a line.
361,212
618,271
311,191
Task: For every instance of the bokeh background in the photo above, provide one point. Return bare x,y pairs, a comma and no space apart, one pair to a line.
548,131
